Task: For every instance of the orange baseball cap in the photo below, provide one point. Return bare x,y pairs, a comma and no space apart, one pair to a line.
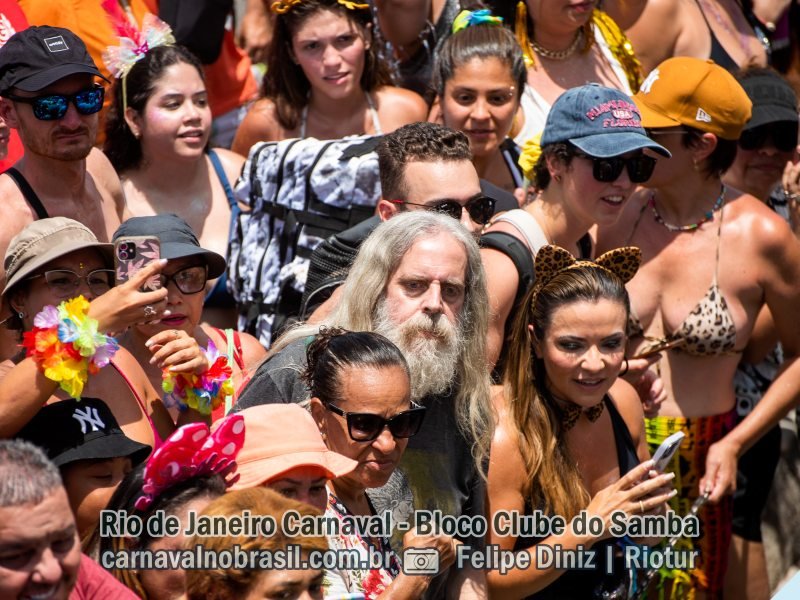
282,437
694,92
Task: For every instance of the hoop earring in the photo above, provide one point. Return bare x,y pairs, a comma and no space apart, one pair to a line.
557,178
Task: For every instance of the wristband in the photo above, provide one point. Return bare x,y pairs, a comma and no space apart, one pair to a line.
201,391
66,345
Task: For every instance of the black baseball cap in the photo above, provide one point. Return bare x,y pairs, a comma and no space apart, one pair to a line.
774,100
36,57
72,430
177,238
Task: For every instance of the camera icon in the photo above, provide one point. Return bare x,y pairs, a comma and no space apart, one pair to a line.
420,561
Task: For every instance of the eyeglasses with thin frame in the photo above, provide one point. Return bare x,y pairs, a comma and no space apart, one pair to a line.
640,167
189,280
782,134
52,107
63,283
480,208
366,427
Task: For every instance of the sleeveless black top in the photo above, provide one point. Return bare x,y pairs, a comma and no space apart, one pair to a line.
588,584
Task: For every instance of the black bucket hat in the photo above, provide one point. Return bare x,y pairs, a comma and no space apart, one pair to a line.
178,240
72,430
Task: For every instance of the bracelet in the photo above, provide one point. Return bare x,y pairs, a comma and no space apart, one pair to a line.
201,391
67,346
790,196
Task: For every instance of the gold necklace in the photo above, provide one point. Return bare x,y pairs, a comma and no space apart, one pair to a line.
558,54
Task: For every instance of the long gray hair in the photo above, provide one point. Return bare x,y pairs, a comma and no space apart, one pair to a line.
378,258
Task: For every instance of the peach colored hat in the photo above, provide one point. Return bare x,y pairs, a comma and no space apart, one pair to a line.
281,437
694,92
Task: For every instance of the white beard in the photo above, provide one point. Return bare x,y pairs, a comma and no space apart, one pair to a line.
432,361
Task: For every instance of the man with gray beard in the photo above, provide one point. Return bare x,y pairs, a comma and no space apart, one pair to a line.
418,280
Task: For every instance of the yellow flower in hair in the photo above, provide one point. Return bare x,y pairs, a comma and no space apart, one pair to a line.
531,152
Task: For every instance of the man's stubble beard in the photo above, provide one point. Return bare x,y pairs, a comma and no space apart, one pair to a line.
432,361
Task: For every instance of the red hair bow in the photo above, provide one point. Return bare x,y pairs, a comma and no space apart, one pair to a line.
193,451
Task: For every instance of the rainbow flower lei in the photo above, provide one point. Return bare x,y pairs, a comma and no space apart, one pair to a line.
67,346
204,391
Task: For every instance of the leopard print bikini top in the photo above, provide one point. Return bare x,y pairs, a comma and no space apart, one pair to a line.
709,329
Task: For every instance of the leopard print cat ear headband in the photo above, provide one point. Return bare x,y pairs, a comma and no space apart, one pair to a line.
552,260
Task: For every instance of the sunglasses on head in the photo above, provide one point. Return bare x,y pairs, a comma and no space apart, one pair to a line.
640,168
365,427
54,106
783,136
479,208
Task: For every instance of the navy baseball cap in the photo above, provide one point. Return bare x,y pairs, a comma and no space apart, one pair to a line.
72,430
36,57
599,121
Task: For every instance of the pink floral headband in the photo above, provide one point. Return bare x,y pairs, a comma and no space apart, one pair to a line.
134,43
193,451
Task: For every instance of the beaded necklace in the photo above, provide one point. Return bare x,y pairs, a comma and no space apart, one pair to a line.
691,227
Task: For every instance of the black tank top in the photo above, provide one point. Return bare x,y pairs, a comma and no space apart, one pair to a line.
588,584
28,193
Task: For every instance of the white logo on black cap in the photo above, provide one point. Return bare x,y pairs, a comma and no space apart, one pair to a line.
55,44
88,417
702,116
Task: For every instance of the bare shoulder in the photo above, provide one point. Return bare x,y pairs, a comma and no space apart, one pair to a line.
252,350
259,124
232,163
16,212
629,405
755,223
625,12
398,106
98,165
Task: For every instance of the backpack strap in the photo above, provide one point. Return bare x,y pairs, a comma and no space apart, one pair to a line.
519,254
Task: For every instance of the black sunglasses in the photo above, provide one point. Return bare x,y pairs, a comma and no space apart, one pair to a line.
365,427
640,168
479,208
190,280
783,136
54,106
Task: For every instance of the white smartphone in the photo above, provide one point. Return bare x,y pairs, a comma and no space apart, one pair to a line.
667,450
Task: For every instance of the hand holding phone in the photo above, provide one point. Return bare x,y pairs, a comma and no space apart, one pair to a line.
131,254
667,450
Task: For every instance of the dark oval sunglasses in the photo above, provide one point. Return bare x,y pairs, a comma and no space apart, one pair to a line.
640,168
365,427
783,136
54,106
480,208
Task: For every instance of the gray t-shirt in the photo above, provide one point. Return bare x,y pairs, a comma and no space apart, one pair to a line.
437,471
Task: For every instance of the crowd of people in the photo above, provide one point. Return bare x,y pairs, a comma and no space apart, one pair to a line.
423,289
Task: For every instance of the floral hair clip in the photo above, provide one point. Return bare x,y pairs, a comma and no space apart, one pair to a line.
284,6
193,451
468,18
134,43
